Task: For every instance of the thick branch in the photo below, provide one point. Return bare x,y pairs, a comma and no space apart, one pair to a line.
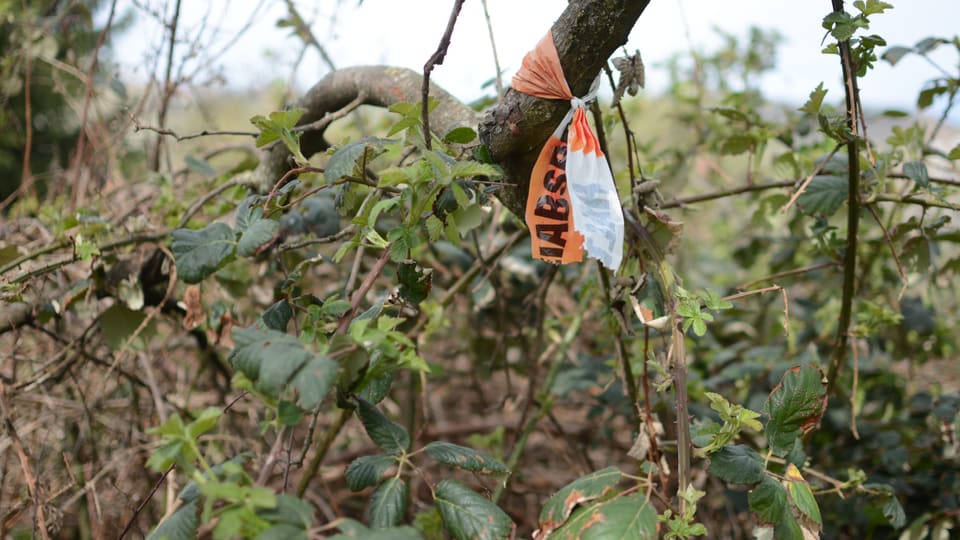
586,34
380,86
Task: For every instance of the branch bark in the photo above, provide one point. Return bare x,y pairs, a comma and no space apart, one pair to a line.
586,34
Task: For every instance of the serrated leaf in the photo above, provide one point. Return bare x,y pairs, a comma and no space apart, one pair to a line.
434,228
467,515
204,422
768,501
389,503
467,169
893,511
561,504
385,433
289,511
737,464
347,160
824,194
917,171
366,471
257,234
460,135
815,101
630,516
288,414
737,144
199,253
801,495
200,166
464,458
794,407
274,360
415,282
181,525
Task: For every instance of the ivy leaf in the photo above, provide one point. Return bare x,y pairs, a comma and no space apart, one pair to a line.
824,195
348,160
737,464
561,504
366,471
631,516
389,503
467,515
198,254
768,501
794,407
385,433
181,525
464,458
275,360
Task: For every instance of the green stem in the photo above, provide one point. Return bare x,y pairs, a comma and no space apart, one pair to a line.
314,465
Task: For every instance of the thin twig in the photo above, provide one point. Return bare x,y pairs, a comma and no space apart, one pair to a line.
893,249
787,273
436,59
809,178
33,486
314,465
202,133
910,199
683,201
493,47
331,117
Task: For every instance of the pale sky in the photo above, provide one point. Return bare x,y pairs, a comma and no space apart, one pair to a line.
405,33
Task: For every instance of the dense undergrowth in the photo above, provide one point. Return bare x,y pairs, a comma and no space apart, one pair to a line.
369,351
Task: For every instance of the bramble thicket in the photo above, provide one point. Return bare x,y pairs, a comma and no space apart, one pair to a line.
330,323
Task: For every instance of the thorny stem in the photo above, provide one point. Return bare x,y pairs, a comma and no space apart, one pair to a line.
853,207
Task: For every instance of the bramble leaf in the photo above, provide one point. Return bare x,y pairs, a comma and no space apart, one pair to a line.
200,253
467,515
464,458
389,503
385,433
794,407
366,471
631,516
737,464
587,488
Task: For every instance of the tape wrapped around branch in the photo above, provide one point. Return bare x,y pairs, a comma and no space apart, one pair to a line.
572,204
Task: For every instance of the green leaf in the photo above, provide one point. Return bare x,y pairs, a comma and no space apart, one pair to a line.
801,495
895,54
467,169
274,360
200,166
893,511
288,414
464,458
737,464
199,254
259,233
955,153
118,323
366,471
289,511
917,171
181,525
206,421
824,194
628,517
460,135
467,515
350,528
385,433
737,144
584,489
768,501
435,228
277,316
348,160
794,407
813,104
389,503
415,282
